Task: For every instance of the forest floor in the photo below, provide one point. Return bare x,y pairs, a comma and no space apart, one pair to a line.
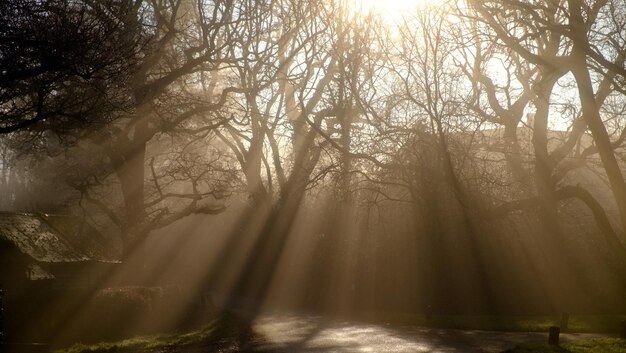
309,334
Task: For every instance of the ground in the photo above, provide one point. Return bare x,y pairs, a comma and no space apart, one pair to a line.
309,334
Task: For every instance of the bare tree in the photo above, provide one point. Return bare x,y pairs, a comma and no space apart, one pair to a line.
564,41
168,77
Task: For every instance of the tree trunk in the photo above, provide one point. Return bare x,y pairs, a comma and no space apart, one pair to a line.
602,141
592,116
513,155
259,267
129,164
544,167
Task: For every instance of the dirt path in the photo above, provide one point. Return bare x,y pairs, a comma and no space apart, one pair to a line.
301,334
310,334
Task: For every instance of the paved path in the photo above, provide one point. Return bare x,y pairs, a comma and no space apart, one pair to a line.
294,334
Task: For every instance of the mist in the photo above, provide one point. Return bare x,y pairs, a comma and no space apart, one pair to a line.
226,169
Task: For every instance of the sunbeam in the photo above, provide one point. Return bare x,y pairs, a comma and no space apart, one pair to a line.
311,175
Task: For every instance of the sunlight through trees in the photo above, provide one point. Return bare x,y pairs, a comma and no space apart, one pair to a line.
353,157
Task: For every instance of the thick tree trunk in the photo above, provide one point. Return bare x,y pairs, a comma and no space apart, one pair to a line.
131,177
129,163
513,156
545,183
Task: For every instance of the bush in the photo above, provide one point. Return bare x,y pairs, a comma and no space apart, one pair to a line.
116,313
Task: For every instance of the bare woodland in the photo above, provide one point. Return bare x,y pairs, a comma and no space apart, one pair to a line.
470,144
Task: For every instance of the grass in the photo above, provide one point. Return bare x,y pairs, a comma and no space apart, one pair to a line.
227,330
604,345
145,342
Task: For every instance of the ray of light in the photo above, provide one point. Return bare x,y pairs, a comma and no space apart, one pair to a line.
392,12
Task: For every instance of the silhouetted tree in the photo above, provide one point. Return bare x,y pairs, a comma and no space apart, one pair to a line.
141,71
64,64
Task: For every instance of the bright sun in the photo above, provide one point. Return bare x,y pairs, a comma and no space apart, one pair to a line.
392,10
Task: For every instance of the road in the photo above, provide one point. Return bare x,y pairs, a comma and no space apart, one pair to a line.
296,334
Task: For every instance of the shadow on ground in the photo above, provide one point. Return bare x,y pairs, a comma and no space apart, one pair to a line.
293,334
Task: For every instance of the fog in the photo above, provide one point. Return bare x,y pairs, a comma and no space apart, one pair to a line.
166,164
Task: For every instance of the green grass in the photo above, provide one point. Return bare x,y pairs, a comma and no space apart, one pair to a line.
225,330
604,345
145,342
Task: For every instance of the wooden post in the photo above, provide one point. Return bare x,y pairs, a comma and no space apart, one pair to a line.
622,329
553,337
564,321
